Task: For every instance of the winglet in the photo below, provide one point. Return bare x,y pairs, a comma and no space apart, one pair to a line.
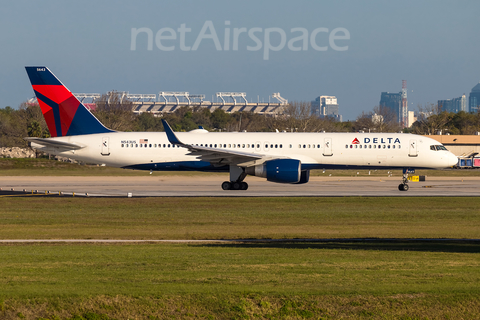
170,134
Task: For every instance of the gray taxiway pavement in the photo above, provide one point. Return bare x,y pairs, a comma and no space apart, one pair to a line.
209,186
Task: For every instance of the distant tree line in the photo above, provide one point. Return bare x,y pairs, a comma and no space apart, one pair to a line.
116,114
431,120
15,125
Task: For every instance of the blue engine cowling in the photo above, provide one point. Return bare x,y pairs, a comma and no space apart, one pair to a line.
279,170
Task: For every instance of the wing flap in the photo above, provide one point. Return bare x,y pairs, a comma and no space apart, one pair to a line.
221,156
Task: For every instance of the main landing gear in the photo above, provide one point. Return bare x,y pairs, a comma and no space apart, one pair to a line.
404,185
237,174
234,185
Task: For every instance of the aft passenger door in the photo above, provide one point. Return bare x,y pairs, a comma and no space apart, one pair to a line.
105,147
412,149
327,150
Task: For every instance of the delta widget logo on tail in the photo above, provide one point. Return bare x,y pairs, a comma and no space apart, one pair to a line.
64,114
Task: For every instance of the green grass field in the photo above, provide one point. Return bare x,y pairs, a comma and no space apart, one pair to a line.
234,218
312,280
218,281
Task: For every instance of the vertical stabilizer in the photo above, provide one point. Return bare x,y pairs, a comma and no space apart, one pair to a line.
64,113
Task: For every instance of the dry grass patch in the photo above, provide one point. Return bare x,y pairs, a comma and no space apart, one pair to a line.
246,306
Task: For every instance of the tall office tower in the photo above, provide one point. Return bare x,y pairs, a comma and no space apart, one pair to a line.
397,103
474,99
453,105
326,106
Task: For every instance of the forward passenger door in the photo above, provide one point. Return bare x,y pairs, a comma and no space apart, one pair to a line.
412,149
327,149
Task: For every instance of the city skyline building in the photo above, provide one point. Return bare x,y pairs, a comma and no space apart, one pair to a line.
411,118
453,105
403,117
474,99
398,104
377,118
392,101
326,106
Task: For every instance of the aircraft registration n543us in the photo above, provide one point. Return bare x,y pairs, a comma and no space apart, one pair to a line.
279,157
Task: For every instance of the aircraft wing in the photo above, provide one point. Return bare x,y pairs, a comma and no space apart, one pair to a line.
53,143
223,157
216,156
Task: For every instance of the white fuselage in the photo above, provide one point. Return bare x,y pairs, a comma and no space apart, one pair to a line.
153,151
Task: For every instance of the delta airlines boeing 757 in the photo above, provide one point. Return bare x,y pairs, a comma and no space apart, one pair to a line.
279,157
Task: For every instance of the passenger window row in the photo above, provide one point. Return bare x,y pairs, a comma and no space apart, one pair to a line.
305,146
374,146
146,145
211,145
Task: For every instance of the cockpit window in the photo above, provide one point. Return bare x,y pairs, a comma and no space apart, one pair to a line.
438,148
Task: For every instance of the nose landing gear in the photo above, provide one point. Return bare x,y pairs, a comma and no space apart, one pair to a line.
404,185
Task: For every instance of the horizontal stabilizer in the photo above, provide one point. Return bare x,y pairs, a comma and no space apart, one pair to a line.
52,143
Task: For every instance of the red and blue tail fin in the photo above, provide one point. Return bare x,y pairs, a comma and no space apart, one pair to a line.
64,114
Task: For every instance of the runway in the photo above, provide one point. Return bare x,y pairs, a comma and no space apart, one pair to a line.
209,186
233,241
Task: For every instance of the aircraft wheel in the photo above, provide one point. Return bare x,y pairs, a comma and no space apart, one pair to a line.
236,185
400,186
405,187
226,185
243,186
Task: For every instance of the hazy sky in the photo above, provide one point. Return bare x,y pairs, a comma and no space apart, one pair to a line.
358,48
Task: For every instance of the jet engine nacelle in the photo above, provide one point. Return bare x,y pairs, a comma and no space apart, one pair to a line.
278,170
304,177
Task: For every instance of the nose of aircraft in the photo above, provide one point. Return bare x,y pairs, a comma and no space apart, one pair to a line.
451,159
